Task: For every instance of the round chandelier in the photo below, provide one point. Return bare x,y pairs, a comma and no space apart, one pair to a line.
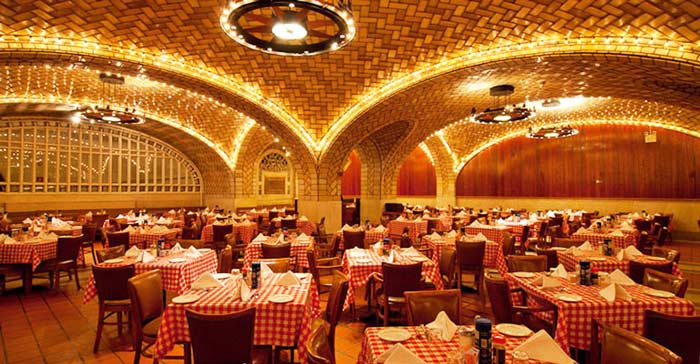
552,132
502,114
290,28
106,113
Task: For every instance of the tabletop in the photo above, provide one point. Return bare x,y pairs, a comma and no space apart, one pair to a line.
608,264
32,251
297,251
415,228
371,236
597,239
245,231
492,233
493,253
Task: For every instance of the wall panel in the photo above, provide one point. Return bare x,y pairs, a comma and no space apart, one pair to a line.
417,175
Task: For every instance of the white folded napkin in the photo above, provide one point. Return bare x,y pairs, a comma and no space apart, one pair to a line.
401,218
280,239
452,234
542,347
265,271
426,216
162,220
134,251
377,245
252,210
392,257
435,236
626,226
585,246
242,291
480,237
617,233
443,326
172,212
288,279
560,272
629,253
411,251
177,248
547,282
145,257
303,237
3,237
193,252
582,230
303,218
206,281
380,229
461,214
613,292
475,223
619,277
418,219
27,221
346,227
398,354
120,216
500,221
246,222
550,214
260,238
129,229
274,209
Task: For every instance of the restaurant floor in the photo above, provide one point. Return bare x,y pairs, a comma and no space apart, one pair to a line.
54,326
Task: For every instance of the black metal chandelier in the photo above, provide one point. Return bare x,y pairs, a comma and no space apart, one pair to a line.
502,114
106,111
291,27
552,132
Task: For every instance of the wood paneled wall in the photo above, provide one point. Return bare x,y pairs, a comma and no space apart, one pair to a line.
351,182
602,161
417,175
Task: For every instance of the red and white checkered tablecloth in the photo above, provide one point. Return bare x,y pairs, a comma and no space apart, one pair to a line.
359,267
492,233
286,324
177,277
570,262
136,238
493,254
574,323
297,252
307,227
415,228
597,239
245,231
516,229
442,224
434,352
30,252
371,236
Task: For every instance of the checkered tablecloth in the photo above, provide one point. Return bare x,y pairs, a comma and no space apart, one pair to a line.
414,228
597,239
307,227
442,224
493,254
246,232
434,352
136,238
297,252
177,277
516,229
359,268
574,323
281,324
492,233
570,262
371,236
29,252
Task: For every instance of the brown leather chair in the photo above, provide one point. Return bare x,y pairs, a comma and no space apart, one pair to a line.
353,239
526,263
551,254
642,225
395,280
318,347
677,333
219,233
67,252
614,345
645,243
541,233
505,311
272,251
470,260
508,244
318,265
98,220
110,253
118,238
637,269
277,265
89,233
423,306
334,307
113,296
146,295
666,282
519,247
448,263
566,242
209,346
290,224
225,260
190,233
670,254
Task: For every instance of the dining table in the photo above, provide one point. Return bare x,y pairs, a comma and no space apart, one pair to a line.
371,236
246,231
297,252
608,264
415,228
493,252
148,237
618,241
28,254
493,233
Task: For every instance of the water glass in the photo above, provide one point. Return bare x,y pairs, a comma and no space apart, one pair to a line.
455,357
520,357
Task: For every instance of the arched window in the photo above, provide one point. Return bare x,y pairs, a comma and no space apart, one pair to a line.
55,156
274,175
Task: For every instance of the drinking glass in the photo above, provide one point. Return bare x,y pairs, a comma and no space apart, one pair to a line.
520,357
455,357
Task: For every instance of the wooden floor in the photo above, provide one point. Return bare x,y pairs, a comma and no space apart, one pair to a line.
54,326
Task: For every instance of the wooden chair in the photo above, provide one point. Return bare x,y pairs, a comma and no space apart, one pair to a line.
665,282
526,263
613,345
334,307
352,239
211,346
395,280
423,306
470,260
318,265
670,254
642,225
506,311
110,253
677,333
541,233
271,251
508,244
219,233
551,254
637,269
67,251
645,244
329,250
277,265
225,260
118,238
318,347
113,297
98,220
189,233
448,263
146,295
196,243
89,233
519,247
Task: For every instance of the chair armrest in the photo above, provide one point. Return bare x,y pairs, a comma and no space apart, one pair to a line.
330,267
377,277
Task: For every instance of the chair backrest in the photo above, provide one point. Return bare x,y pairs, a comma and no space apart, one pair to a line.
543,229
424,306
499,296
334,306
353,239
637,269
99,219
663,235
226,260
399,278
551,254
432,226
68,248
318,346
270,251
666,282
677,333
186,243
613,345
189,232
507,244
448,261
146,294
89,233
663,220
210,346
289,223
313,269
526,263
524,236
470,255
111,282
277,265
642,224
220,232
405,242
110,253
118,238
566,242
670,254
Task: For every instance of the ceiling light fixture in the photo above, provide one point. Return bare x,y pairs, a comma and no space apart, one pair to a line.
291,27
552,132
502,114
106,112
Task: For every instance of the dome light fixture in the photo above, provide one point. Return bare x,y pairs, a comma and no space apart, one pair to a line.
502,114
105,112
552,132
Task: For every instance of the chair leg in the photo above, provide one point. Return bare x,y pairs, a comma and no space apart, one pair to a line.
187,353
2,284
386,313
94,257
137,352
100,324
77,281
119,323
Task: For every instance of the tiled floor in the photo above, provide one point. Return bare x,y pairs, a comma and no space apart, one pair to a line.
53,326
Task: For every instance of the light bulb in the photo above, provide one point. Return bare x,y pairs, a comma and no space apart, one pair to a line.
289,30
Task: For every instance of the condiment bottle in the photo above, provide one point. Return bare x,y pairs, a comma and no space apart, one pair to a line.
483,326
499,349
